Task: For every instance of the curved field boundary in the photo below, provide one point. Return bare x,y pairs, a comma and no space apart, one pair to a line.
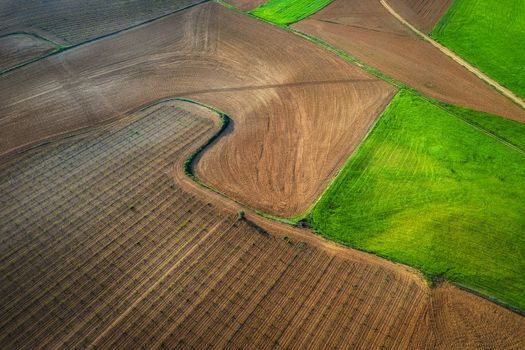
184,280
504,91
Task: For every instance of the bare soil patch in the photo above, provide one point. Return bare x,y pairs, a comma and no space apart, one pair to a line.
102,247
20,48
298,111
422,14
367,31
245,5
78,21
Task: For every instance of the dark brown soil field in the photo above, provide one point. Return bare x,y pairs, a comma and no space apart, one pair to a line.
102,248
366,30
293,126
422,14
20,48
73,21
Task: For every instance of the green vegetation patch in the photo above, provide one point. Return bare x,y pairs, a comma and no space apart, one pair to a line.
428,189
489,34
285,12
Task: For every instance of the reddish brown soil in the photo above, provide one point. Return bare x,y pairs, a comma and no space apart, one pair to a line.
298,111
141,261
367,31
422,14
20,48
246,5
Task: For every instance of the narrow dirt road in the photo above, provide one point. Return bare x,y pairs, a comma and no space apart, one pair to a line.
504,91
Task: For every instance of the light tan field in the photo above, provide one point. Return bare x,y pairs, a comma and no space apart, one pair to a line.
293,125
367,31
106,243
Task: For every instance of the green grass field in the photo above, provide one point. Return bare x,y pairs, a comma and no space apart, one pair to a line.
288,11
429,190
490,34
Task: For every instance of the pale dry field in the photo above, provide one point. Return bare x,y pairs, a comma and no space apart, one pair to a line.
103,247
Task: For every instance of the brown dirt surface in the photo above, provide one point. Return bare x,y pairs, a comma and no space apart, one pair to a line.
367,31
293,125
74,21
142,259
423,14
245,5
19,48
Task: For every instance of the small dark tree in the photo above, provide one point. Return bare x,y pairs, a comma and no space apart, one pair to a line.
241,214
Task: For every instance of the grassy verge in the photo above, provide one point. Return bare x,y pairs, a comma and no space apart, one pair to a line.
429,190
489,34
286,12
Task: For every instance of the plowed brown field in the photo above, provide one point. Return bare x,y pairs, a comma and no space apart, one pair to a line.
71,21
366,30
298,111
101,248
422,14
19,48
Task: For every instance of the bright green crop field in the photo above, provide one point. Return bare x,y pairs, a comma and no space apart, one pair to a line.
288,11
491,35
430,190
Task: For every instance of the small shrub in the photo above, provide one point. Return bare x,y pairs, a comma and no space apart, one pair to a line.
241,214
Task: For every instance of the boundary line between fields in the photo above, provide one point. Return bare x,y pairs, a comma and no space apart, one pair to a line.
502,90
63,48
400,86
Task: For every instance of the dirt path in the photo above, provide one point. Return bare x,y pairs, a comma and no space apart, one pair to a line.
504,91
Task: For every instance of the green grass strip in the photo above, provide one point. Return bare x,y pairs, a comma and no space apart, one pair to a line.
490,35
286,12
428,189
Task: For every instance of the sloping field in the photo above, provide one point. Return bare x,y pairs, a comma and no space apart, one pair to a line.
368,32
488,34
19,48
423,14
429,190
136,261
74,22
275,158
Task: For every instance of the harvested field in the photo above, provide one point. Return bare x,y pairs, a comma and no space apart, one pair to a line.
422,14
74,22
366,30
275,157
19,48
137,261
